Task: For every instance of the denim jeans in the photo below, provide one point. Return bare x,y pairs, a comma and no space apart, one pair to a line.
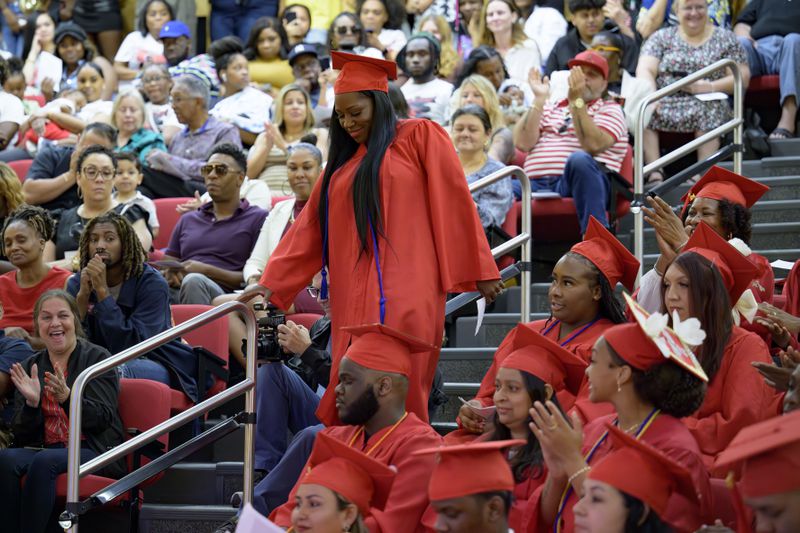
144,369
236,17
776,55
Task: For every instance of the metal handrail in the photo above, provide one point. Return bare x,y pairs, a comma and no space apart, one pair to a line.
735,125
75,470
523,240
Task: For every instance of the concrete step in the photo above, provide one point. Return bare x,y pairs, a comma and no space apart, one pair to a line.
493,330
769,166
776,211
508,302
197,483
766,236
785,147
167,518
782,187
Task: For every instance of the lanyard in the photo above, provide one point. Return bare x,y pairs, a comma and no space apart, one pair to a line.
571,337
644,426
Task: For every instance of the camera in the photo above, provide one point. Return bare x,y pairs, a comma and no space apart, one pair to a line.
267,347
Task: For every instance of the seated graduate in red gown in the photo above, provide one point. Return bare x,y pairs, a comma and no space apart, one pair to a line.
539,371
393,222
768,456
582,306
630,489
707,281
341,487
652,379
371,399
470,487
722,199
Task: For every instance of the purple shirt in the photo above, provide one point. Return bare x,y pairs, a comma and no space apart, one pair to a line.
188,151
221,243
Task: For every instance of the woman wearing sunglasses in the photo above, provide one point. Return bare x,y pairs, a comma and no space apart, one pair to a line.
347,34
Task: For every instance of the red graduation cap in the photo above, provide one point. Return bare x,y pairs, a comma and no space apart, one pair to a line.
361,73
605,252
361,480
467,469
639,470
737,271
720,184
380,347
537,355
769,453
641,351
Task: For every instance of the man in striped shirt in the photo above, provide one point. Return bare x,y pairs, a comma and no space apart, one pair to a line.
573,143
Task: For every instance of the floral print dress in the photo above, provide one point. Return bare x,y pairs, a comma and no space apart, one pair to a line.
682,112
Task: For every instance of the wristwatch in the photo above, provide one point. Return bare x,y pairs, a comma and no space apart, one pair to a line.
578,103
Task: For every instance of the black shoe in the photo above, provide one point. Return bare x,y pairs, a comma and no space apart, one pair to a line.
229,526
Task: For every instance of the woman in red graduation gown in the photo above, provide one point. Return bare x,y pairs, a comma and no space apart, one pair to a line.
702,282
392,220
722,199
582,307
650,392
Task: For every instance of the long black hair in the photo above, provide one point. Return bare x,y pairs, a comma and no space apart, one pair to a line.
528,461
609,306
641,518
366,186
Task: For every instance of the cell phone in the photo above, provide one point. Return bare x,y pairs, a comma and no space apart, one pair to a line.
651,194
290,16
325,63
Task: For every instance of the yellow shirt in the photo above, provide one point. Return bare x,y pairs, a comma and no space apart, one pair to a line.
275,71
324,11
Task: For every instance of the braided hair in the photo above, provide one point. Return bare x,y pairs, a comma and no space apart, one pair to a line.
35,217
133,254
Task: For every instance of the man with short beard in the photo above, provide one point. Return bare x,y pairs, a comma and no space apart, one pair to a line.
370,400
426,94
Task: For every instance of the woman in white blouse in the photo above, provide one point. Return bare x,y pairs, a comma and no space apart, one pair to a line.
500,26
142,46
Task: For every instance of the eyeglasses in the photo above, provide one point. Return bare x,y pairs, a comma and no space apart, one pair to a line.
92,173
220,169
344,30
154,79
605,48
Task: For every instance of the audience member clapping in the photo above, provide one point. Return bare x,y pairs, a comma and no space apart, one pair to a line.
43,391
266,49
25,232
243,106
128,116
672,53
142,46
122,301
471,131
96,168
210,246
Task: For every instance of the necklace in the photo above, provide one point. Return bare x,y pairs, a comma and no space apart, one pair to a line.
372,449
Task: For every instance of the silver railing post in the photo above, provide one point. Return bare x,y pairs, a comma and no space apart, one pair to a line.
639,169
75,470
523,240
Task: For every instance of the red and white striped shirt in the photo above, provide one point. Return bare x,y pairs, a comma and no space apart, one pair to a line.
557,138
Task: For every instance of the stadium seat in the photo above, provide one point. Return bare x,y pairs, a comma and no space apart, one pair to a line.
166,209
304,319
21,168
213,337
143,404
764,90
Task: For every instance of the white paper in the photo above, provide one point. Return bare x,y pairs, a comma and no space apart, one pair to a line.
48,66
710,97
543,195
485,412
251,521
481,310
782,264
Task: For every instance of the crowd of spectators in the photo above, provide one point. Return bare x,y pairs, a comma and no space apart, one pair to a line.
118,104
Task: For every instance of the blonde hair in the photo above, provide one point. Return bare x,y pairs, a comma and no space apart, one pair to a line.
491,104
10,188
448,58
309,122
137,98
483,35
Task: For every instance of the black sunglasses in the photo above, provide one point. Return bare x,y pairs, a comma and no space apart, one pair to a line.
344,30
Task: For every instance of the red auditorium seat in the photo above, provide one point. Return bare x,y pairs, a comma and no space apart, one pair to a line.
304,319
21,167
213,337
764,88
167,218
143,404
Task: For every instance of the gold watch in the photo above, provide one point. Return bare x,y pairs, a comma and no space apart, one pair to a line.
578,103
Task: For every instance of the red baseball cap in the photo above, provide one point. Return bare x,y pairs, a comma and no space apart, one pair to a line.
466,469
360,73
360,479
590,58
609,255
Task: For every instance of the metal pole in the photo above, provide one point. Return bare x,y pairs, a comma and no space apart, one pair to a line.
250,407
738,114
525,257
